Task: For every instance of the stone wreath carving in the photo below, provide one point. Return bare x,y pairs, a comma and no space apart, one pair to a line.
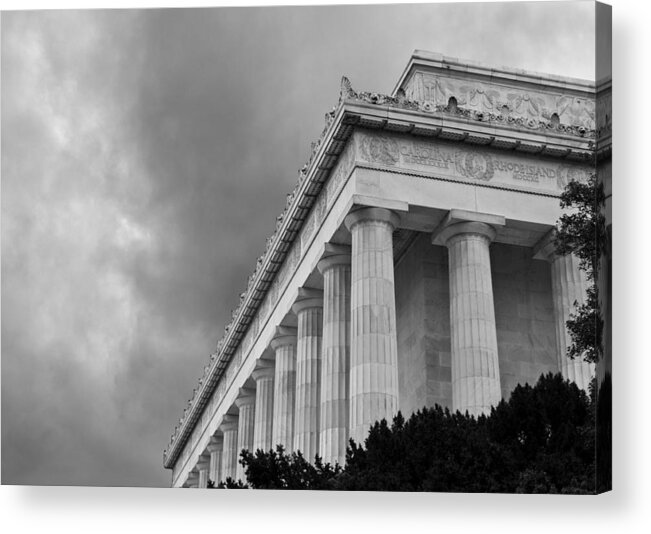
474,165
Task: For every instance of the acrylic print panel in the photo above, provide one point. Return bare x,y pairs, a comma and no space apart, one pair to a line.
348,247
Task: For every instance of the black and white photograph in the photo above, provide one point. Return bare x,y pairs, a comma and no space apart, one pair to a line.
342,248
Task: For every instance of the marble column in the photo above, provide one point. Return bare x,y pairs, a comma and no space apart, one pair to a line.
373,342
569,286
215,449
246,424
284,345
203,466
230,452
309,311
264,408
335,359
475,364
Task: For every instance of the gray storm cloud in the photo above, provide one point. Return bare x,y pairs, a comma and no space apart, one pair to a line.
145,156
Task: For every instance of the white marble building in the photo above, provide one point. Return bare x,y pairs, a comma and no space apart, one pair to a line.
411,266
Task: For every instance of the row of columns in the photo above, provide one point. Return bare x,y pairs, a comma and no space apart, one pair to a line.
337,372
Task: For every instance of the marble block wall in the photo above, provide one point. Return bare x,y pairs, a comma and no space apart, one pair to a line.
423,321
523,314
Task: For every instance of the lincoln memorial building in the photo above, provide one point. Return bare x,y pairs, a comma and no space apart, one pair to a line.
413,265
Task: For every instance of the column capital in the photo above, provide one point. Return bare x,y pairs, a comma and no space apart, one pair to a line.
545,248
467,222
215,446
285,335
372,214
203,465
245,398
262,372
308,298
193,479
229,422
334,255
216,440
335,249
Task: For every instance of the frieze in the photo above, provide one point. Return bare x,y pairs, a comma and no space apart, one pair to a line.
308,228
380,148
342,170
474,165
247,341
294,257
320,208
493,102
468,164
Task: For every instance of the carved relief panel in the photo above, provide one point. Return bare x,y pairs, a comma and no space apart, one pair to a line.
468,163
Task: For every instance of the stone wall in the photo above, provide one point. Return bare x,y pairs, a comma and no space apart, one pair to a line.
523,313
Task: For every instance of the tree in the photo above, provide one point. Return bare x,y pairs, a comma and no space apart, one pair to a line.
539,441
582,232
278,470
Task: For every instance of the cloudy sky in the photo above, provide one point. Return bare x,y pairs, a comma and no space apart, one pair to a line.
145,156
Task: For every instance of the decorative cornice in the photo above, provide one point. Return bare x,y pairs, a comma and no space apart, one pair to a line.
339,124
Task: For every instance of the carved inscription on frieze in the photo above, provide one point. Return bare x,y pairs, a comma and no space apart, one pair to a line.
468,164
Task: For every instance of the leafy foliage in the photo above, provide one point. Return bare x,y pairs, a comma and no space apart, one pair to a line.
582,232
541,440
278,470
229,483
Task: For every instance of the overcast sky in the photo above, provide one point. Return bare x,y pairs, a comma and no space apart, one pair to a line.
145,156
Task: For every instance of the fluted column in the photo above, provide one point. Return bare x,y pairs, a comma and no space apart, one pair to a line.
203,467
309,311
245,429
230,452
284,346
335,359
569,286
215,449
373,342
475,364
264,408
